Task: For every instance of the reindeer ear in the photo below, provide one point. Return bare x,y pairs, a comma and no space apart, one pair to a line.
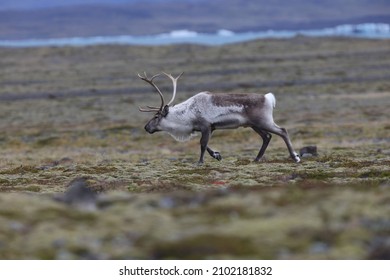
165,111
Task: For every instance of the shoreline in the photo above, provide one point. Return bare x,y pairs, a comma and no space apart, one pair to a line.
220,37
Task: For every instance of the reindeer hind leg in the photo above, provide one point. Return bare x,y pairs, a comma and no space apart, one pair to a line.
214,154
266,136
282,132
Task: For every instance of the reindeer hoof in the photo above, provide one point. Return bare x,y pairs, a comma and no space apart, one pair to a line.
217,156
296,158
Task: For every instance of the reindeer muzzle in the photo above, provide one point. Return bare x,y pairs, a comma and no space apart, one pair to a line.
149,129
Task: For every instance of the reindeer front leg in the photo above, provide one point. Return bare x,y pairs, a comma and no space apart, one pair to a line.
204,140
206,134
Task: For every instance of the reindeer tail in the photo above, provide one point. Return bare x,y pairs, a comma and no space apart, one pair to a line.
270,99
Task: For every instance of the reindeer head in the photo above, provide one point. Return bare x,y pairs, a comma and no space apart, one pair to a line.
162,111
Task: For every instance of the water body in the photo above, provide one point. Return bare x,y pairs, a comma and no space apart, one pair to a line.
221,37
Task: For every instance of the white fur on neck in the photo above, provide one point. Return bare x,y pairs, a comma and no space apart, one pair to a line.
177,127
181,137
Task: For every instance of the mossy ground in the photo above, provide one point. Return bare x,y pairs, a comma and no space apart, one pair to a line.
67,113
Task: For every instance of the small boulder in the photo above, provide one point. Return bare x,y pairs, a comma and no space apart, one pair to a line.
308,151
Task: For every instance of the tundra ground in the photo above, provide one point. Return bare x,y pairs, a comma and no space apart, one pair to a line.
71,113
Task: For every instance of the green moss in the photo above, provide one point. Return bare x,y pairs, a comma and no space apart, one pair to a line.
4,182
22,169
201,171
316,175
379,174
48,141
133,188
46,254
240,162
33,188
209,245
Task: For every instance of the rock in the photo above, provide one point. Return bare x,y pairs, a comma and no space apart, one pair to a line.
308,151
79,195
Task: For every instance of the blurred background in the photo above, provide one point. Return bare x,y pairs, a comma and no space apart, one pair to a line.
23,19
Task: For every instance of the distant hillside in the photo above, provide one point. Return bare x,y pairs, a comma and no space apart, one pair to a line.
150,17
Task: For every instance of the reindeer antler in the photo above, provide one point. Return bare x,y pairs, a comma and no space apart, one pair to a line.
174,81
150,81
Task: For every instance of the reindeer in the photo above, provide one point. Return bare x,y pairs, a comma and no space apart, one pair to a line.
206,112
